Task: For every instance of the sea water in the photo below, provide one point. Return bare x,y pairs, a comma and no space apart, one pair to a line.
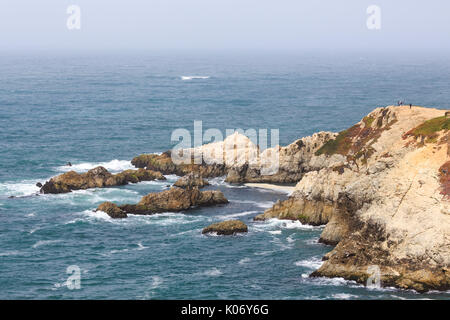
95,110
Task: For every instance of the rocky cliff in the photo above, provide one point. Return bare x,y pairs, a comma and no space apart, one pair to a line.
382,189
241,160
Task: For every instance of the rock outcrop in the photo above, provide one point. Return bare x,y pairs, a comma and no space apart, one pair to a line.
98,177
382,189
173,200
229,227
112,210
191,180
163,163
241,161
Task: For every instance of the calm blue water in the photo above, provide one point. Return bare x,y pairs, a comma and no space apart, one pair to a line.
93,110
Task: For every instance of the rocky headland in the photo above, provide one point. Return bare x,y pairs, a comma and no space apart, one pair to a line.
380,187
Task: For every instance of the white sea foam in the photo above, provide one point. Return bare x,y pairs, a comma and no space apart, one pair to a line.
193,77
214,272
344,296
112,166
156,282
95,196
275,232
235,215
96,215
290,239
9,253
263,253
160,219
45,243
138,247
314,241
313,263
280,243
34,230
22,188
244,261
331,281
285,224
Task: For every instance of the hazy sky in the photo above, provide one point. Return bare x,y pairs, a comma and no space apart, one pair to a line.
222,25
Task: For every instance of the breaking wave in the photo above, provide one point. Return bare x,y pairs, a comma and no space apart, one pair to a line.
193,77
112,166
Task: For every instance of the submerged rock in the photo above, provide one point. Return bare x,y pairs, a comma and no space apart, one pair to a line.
191,180
112,210
229,227
173,200
98,177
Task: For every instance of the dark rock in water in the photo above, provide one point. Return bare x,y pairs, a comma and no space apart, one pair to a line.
39,185
11,197
98,177
68,164
164,164
228,227
173,200
112,210
191,180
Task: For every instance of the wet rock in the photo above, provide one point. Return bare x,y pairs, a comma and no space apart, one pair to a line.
98,177
164,164
39,185
112,210
191,180
173,200
229,227
312,212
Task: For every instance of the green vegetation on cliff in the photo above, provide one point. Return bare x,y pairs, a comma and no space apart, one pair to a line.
429,129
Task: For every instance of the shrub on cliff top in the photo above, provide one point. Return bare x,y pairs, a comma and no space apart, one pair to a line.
429,129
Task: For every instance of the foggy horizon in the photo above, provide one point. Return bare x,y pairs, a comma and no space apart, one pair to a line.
224,26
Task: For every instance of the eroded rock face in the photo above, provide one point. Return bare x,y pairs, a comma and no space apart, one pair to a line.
229,227
191,180
306,211
163,163
112,210
383,199
173,200
240,160
98,177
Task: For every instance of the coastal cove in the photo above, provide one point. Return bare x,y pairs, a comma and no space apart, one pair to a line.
122,110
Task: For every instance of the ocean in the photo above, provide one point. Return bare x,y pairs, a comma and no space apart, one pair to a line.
105,109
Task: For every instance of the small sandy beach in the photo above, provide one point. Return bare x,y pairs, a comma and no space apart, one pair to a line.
287,189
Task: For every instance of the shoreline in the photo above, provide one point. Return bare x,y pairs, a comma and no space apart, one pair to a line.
274,187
